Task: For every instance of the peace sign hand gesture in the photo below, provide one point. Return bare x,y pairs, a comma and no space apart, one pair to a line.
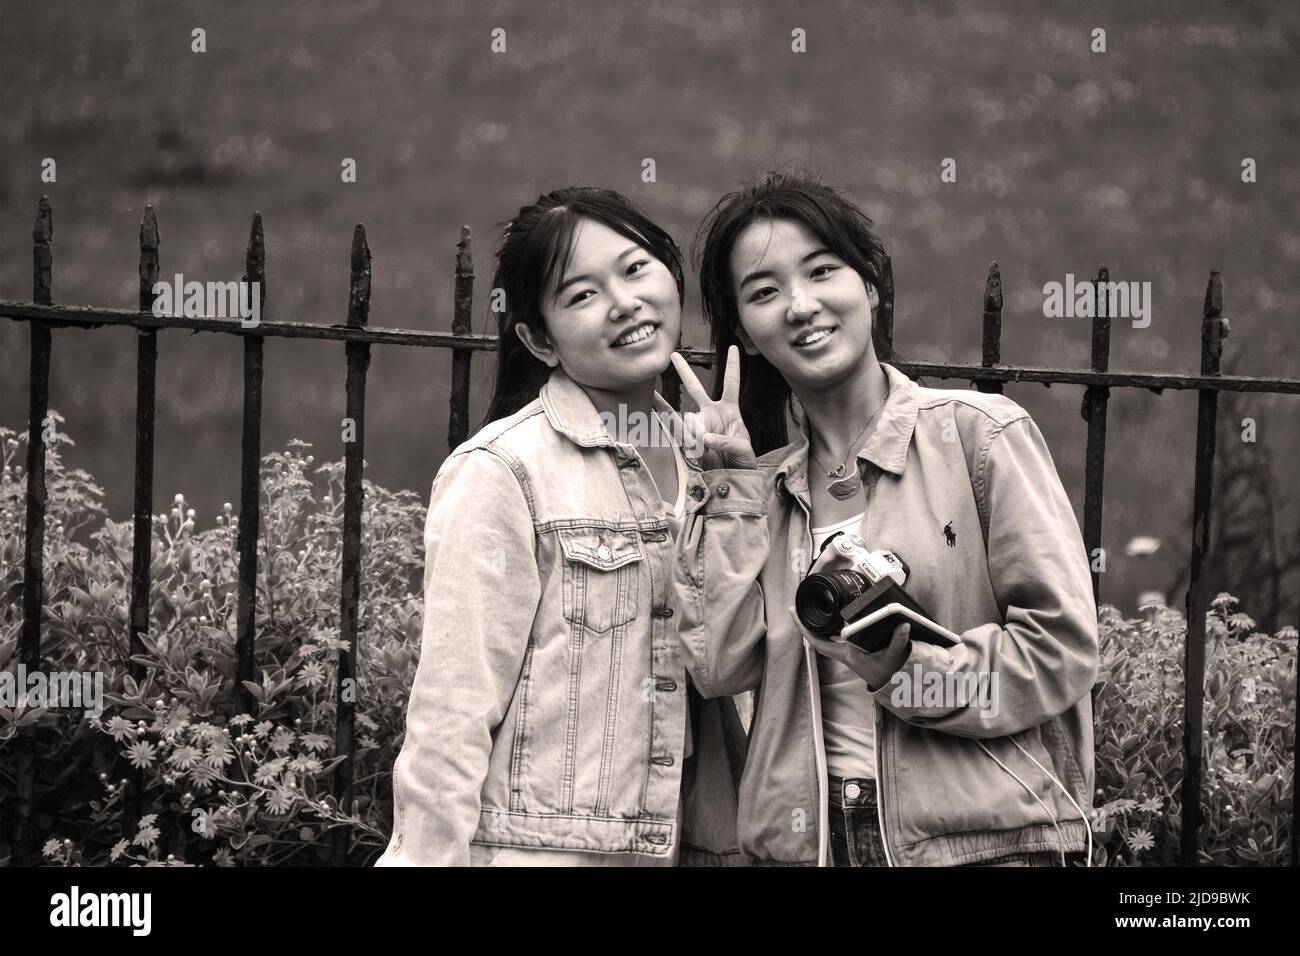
718,425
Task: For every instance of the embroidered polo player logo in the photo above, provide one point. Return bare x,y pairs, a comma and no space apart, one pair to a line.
949,535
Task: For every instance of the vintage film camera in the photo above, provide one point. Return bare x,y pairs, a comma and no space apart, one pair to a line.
857,594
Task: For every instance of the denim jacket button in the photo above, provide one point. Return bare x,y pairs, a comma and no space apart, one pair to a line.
603,552
723,490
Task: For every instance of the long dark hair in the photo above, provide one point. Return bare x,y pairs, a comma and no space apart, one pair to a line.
536,248
840,226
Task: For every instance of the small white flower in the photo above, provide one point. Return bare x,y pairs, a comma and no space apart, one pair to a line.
1248,690
1141,546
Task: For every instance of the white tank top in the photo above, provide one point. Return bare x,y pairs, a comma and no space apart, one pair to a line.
847,716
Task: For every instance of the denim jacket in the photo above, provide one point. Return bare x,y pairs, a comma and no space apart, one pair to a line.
549,706
960,485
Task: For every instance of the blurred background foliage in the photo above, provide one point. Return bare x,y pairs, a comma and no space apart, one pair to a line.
1066,160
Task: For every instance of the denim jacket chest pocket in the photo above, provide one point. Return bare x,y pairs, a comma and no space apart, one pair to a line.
601,576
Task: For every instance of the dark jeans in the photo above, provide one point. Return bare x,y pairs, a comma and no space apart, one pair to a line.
855,829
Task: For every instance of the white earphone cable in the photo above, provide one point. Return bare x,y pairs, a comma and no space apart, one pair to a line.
1087,826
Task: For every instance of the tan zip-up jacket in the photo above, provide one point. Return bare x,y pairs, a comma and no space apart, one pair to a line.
961,485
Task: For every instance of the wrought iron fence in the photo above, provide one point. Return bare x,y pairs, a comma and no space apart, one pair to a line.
42,316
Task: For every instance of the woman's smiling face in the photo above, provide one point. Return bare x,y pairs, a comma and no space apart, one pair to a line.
614,316
801,307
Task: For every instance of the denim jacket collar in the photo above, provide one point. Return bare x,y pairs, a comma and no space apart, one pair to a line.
571,413
886,446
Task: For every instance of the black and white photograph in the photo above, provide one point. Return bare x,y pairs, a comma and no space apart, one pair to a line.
676,434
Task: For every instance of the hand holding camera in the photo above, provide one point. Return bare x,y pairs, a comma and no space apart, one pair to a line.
853,608
875,669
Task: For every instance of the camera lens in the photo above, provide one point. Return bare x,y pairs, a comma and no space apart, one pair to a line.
822,596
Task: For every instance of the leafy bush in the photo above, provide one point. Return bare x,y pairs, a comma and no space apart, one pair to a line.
222,786
1248,739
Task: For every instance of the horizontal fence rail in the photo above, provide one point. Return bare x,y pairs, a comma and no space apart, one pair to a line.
87,317
358,336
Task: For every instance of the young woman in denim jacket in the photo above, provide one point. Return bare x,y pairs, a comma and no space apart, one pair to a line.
844,766
548,723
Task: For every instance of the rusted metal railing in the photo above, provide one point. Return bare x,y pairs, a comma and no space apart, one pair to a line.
358,336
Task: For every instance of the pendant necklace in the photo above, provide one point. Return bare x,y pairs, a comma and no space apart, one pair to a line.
844,485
